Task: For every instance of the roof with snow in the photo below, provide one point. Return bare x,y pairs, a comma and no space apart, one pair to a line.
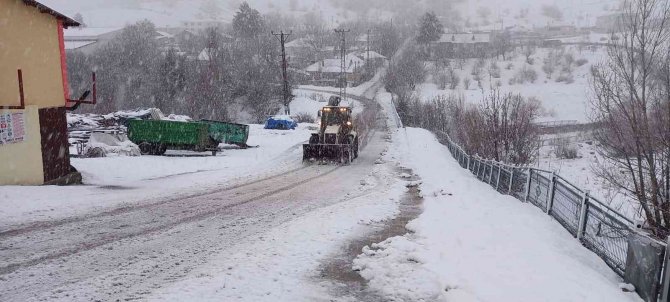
373,55
67,21
465,38
362,38
71,45
302,42
205,55
92,33
333,65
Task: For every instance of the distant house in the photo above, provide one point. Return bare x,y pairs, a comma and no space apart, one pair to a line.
306,51
201,25
300,52
463,45
372,55
88,39
327,72
361,42
559,31
298,47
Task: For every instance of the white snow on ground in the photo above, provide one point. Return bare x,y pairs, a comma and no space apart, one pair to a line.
282,264
115,181
581,171
473,244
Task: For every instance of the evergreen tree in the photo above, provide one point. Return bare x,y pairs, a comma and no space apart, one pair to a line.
170,81
430,29
247,22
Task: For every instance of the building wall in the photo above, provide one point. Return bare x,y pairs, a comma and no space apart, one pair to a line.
21,163
30,43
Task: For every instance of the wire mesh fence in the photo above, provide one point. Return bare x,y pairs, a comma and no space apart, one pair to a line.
598,227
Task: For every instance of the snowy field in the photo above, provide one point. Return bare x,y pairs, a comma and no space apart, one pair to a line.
561,100
582,172
473,244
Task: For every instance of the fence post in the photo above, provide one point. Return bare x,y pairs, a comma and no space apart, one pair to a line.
552,190
665,285
498,178
530,176
490,173
479,169
469,162
582,216
511,180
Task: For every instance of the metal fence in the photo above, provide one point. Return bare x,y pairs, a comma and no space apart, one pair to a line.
598,227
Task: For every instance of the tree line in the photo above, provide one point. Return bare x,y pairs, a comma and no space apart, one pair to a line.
236,77
134,71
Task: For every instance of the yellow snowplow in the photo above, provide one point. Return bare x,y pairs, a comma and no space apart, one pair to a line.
337,139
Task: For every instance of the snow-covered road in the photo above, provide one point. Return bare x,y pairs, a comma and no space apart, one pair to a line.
140,250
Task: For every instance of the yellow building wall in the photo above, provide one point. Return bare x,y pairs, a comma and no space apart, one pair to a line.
29,41
21,163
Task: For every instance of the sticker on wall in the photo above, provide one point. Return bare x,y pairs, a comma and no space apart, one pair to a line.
12,128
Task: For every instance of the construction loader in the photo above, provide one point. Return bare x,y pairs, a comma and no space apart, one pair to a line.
337,139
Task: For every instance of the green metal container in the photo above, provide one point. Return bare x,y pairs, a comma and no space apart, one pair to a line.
229,133
155,136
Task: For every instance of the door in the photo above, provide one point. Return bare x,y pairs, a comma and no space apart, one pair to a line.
55,146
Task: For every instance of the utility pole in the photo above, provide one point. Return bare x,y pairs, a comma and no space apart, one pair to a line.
281,36
367,63
343,62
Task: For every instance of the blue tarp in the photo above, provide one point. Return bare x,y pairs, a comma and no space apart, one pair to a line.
281,123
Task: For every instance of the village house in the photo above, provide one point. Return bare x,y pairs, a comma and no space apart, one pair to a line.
88,39
34,94
462,45
327,72
306,51
202,25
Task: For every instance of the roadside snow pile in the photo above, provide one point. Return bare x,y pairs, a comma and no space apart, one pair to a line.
103,144
304,105
473,244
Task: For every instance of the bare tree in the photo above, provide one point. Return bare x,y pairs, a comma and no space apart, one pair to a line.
631,103
510,134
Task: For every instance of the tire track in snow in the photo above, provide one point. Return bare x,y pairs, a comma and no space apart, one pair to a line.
104,240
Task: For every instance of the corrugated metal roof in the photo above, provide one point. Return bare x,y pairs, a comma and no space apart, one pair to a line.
67,21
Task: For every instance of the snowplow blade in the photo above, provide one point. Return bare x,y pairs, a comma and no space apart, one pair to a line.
325,152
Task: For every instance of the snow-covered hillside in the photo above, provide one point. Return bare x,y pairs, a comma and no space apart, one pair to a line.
484,14
564,93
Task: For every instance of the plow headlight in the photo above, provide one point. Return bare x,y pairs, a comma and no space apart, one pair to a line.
349,123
